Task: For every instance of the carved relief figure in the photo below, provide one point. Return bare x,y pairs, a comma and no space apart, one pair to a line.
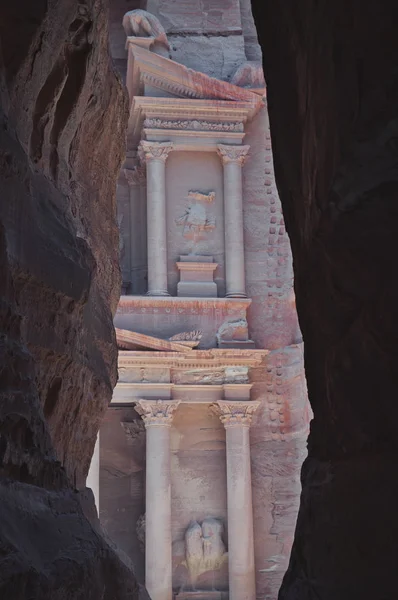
204,547
196,220
140,23
233,330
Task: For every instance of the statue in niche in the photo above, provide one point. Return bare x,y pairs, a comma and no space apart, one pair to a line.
204,547
196,220
140,23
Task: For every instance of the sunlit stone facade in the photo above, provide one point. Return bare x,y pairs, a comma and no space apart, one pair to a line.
199,455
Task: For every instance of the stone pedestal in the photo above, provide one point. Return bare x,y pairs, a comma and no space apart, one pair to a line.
233,158
155,155
196,277
157,416
236,417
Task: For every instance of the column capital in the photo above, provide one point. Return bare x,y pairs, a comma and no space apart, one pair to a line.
232,154
236,413
157,413
135,176
154,150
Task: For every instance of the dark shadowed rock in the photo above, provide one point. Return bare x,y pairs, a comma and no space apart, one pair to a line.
62,121
332,75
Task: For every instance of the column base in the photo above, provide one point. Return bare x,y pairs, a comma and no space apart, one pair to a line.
158,293
236,295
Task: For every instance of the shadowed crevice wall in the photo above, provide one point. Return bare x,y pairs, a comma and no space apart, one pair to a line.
332,77
63,115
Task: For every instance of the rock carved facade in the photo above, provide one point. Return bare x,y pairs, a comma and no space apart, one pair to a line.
210,353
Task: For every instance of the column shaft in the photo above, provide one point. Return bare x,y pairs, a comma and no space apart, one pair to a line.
242,585
157,415
158,554
233,218
93,477
156,154
237,416
156,227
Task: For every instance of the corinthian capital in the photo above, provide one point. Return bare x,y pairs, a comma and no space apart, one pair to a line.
236,413
154,150
135,176
158,413
236,154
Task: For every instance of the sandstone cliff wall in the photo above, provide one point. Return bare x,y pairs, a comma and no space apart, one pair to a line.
331,71
63,115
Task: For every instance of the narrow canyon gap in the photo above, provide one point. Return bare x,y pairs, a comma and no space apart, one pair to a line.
332,83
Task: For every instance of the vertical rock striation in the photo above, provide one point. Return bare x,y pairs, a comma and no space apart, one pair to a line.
62,120
332,77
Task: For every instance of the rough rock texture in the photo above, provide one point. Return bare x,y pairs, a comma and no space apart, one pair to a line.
62,121
332,76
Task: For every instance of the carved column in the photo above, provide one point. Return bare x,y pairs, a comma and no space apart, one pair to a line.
93,477
233,158
155,155
157,416
236,417
136,180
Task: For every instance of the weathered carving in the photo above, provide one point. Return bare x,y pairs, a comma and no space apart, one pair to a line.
201,197
235,413
204,547
236,154
135,176
140,23
187,336
154,150
195,221
230,331
157,412
133,430
250,75
193,124
140,530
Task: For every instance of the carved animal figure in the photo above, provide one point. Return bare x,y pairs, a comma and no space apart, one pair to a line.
187,336
194,550
213,546
140,23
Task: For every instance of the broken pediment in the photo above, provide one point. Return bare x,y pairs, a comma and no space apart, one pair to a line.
131,340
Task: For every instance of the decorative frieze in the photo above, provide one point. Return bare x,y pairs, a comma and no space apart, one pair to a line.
232,154
236,413
193,124
154,150
157,413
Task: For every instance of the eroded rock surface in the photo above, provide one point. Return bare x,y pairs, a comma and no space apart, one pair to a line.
62,121
332,76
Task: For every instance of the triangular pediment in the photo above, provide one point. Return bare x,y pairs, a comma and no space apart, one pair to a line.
147,68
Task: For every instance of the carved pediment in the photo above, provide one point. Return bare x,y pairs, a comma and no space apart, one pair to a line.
131,340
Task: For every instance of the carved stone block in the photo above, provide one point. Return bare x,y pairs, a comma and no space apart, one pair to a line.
196,276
